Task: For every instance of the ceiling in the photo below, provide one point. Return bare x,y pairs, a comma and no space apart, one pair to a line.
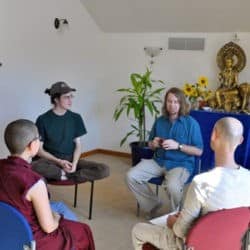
170,15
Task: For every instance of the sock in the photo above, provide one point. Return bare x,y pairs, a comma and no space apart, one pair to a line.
63,175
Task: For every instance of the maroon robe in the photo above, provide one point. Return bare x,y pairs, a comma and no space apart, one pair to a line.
16,178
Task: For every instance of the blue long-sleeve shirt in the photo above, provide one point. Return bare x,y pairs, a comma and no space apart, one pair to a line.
184,130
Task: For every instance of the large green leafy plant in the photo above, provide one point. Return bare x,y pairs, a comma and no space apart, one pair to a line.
137,100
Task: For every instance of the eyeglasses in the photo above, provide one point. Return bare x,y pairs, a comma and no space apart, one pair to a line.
39,137
68,97
35,138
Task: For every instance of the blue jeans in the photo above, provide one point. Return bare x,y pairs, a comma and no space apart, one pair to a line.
60,208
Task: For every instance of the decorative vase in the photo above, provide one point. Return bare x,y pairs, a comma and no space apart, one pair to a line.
195,105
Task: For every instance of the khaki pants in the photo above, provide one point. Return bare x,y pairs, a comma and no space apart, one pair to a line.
161,237
138,176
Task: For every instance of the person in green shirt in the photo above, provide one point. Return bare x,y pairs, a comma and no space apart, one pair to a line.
60,130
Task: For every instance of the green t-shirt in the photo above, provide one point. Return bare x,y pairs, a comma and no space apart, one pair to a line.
59,131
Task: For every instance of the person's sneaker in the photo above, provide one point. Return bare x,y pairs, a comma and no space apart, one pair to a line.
153,212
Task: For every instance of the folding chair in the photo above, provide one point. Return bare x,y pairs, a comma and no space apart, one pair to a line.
15,231
70,183
224,229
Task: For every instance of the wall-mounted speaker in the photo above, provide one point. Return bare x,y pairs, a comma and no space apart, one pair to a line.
181,43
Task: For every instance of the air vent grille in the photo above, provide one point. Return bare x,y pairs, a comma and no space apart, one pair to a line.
180,43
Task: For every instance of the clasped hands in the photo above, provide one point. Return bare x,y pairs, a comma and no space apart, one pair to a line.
67,166
167,144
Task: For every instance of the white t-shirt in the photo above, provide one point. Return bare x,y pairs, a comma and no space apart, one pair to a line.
219,188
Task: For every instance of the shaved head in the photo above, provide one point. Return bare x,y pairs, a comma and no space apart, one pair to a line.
18,134
231,130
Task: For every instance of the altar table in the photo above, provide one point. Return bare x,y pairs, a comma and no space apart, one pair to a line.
207,119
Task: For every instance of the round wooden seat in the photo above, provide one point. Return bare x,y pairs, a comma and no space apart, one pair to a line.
64,182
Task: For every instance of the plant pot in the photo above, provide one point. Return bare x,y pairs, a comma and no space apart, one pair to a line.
140,152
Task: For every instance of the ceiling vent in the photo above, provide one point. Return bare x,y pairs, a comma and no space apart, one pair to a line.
180,43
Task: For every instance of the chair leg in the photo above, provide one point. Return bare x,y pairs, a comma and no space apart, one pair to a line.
157,190
75,196
91,200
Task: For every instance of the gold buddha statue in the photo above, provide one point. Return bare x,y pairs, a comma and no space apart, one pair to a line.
231,96
244,90
228,79
229,76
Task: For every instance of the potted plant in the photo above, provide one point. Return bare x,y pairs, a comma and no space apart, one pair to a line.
138,100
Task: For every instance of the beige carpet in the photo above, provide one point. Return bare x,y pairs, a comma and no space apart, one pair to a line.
114,208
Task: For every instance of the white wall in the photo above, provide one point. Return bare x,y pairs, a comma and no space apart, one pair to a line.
126,55
35,55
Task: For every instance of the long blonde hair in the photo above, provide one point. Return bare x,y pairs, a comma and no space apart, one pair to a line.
184,106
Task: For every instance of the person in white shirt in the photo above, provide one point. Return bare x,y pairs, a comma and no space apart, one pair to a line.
225,186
